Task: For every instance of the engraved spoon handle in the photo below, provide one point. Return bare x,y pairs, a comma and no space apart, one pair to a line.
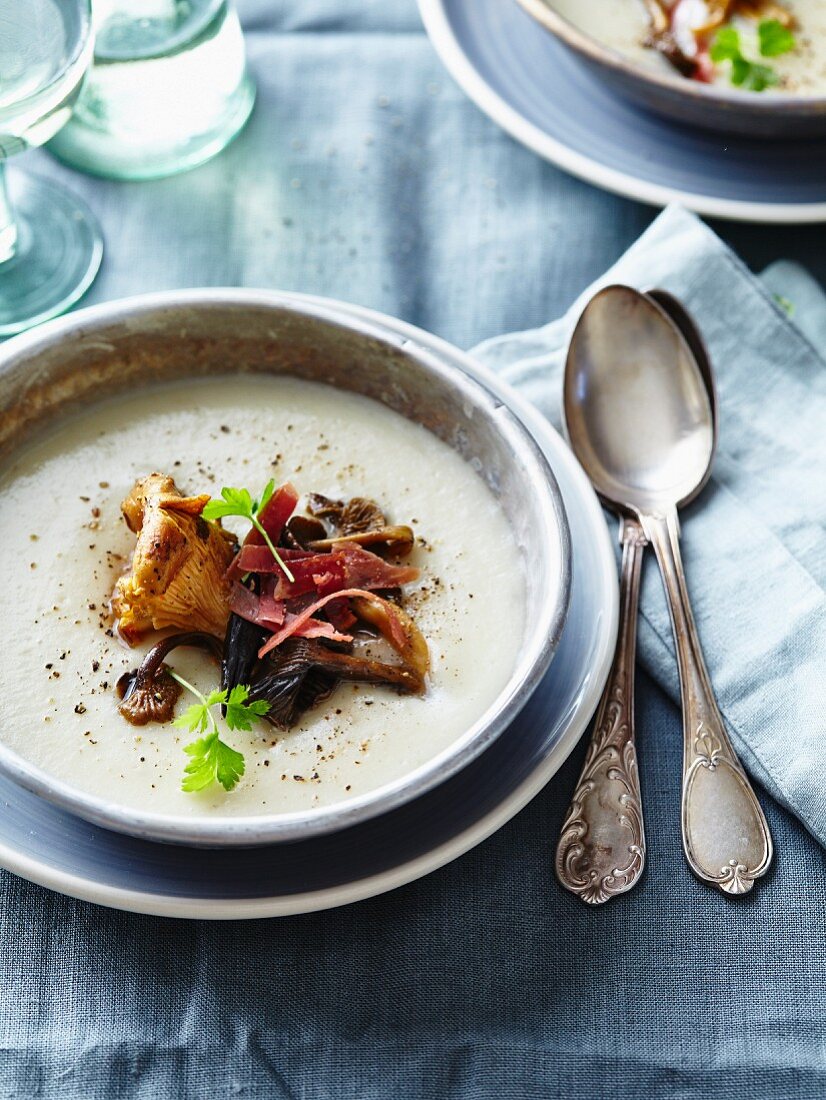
601,850
725,836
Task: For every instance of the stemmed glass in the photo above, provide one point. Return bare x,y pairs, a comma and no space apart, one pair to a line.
50,244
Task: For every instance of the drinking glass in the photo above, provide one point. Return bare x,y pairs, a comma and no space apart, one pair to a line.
169,88
50,244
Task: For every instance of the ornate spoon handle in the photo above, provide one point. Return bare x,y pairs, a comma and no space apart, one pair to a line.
725,835
601,849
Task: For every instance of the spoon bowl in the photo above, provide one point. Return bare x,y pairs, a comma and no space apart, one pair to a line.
694,338
638,410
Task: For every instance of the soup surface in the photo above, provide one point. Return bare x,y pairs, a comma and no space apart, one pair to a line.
623,24
65,543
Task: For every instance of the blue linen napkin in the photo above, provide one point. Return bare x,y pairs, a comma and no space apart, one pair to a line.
755,541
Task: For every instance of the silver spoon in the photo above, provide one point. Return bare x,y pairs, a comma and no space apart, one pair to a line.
601,851
641,420
601,848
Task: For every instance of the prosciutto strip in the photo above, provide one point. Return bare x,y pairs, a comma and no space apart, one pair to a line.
274,516
273,519
340,615
244,603
348,566
264,610
271,612
364,569
318,628
397,632
258,558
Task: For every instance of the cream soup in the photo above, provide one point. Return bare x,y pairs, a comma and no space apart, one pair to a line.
622,25
65,543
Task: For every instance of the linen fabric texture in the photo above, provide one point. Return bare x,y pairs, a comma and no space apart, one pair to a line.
365,174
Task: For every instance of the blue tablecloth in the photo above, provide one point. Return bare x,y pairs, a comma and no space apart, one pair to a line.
366,175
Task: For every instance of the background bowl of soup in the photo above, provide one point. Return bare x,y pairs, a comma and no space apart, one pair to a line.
228,387
608,37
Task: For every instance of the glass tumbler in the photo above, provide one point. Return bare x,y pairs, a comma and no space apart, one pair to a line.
50,244
169,88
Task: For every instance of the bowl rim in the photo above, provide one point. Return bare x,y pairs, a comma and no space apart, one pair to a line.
764,103
535,655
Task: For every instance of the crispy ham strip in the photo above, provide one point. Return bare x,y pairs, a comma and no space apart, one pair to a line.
394,624
273,519
318,628
347,566
263,610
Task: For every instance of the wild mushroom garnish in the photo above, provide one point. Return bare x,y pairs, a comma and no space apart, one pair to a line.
292,683
694,36
396,627
360,514
289,599
149,693
348,517
177,575
398,540
263,600
359,521
301,531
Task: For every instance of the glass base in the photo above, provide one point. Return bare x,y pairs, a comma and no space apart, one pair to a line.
58,253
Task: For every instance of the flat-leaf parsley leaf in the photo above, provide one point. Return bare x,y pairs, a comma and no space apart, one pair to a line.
752,76
213,760
239,502
774,38
726,45
240,714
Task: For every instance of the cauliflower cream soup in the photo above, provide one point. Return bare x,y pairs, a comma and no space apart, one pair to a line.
116,535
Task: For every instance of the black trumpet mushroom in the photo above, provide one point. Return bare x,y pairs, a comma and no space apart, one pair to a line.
242,641
302,671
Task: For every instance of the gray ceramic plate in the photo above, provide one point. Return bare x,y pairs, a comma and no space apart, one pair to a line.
43,843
